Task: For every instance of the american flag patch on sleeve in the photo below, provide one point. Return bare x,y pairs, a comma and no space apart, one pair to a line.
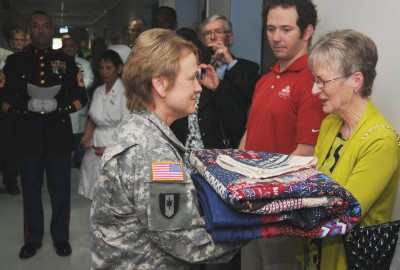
167,171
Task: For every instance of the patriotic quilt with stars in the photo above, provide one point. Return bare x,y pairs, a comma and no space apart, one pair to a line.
303,202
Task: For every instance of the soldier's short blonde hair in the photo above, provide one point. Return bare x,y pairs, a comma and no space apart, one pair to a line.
156,52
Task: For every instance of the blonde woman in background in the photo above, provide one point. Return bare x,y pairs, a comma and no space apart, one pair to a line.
18,40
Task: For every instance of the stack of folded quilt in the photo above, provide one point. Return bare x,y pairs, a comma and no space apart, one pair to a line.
247,195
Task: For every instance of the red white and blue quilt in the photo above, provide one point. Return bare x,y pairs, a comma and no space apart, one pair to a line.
303,203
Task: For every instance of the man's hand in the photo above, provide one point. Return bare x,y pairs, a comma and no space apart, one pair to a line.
210,79
221,52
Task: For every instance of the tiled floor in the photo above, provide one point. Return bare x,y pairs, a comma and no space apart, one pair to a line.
11,234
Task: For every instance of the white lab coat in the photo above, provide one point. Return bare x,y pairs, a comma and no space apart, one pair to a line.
106,111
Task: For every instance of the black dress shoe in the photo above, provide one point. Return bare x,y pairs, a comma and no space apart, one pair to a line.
13,189
29,250
63,248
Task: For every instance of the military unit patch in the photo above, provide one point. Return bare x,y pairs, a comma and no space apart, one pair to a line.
167,171
169,204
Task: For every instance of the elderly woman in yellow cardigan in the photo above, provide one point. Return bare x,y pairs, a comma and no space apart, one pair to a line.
357,146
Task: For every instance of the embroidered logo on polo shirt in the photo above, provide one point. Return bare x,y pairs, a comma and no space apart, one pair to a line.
285,92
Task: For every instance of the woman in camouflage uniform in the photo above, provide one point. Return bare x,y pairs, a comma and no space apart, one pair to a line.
145,211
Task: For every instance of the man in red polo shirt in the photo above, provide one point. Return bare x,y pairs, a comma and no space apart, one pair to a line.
284,116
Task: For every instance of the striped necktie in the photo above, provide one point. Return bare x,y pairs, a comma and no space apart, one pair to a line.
214,63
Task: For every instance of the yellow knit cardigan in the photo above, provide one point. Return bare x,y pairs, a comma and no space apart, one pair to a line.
368,168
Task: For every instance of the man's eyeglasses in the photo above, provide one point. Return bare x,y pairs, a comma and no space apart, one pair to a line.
321,83
217,32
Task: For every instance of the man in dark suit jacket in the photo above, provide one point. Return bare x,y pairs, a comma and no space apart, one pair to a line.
222,111
234,73
223,105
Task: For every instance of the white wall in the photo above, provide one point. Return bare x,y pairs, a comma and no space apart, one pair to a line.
247,27
380,21
222,7
169,3
187,12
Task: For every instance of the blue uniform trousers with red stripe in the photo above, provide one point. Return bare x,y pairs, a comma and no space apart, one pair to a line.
58,176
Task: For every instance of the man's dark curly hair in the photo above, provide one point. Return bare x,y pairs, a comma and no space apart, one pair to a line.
305,9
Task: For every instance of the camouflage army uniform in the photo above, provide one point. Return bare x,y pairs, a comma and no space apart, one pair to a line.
128,226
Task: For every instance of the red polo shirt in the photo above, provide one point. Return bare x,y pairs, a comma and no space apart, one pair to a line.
284,112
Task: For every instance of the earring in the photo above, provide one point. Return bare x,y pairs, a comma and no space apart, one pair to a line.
355,91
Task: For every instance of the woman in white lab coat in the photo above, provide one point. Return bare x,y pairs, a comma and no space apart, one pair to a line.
106,111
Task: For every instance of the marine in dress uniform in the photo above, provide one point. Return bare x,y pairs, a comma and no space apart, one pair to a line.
40,88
